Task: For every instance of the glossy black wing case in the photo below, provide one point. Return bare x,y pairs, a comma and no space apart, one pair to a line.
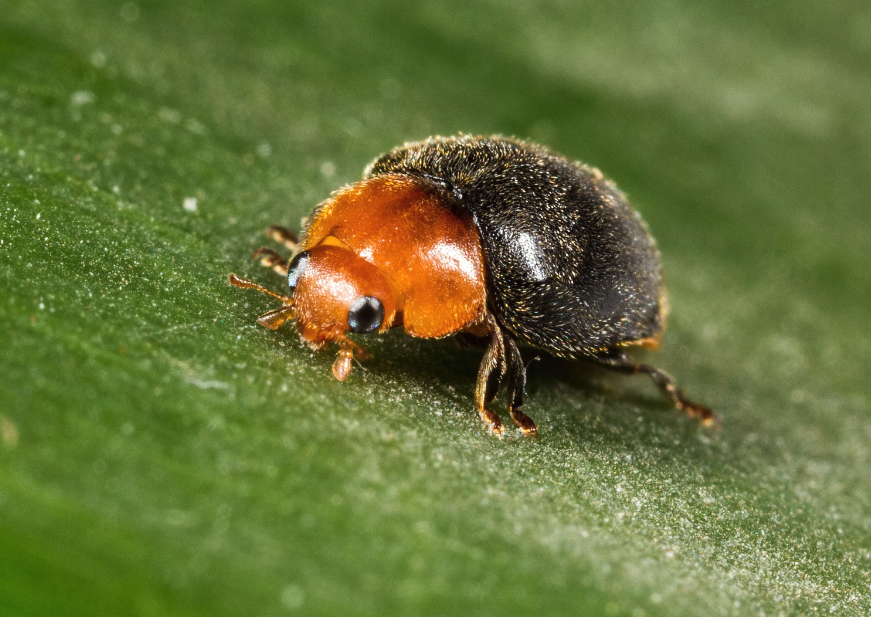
572,268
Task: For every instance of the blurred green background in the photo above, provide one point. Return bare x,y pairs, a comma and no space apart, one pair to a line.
162,455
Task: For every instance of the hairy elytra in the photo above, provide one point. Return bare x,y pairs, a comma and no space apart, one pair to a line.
487,238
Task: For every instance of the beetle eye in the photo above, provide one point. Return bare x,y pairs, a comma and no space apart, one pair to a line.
295,269
366,314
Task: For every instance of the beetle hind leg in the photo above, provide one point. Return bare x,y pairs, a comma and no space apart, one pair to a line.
623,363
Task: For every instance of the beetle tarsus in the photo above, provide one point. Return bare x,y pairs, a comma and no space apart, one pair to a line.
706,415
271,259
275,318
284,236
524,423
348,349
493,422
342,365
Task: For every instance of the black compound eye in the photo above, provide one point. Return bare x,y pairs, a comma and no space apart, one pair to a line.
295,269
366,314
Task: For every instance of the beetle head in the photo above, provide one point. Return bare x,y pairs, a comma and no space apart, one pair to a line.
335,291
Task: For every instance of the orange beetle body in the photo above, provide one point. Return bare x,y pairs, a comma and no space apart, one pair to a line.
487,237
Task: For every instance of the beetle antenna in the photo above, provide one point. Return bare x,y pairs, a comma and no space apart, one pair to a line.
246,284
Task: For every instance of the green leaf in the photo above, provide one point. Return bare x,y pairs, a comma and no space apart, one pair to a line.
161,454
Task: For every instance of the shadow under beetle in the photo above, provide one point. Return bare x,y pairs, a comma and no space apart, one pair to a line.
484,237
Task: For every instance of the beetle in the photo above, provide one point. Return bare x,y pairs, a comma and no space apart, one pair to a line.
492,239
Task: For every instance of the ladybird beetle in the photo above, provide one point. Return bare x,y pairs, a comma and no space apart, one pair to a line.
492,239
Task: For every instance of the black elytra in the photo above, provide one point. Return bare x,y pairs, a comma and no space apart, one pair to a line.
572,268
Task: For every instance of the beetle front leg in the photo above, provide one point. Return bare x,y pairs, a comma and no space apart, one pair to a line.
517,380
271,259
276,318
489,375
347,350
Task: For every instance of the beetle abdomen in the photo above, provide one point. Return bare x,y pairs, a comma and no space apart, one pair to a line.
571,267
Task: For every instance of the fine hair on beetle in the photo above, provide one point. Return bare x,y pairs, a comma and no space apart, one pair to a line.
488,238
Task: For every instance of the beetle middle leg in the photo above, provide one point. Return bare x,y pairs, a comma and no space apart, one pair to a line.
271,259
284,236
489,375
622,362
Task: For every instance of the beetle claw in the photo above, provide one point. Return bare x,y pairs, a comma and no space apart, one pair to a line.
704,414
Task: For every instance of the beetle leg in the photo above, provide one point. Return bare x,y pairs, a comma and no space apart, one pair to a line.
275,318
489,375
271,259
342,365
284,236
623,363
470,341
347,350
517,379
